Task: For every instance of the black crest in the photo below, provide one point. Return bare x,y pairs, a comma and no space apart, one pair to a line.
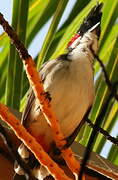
92,19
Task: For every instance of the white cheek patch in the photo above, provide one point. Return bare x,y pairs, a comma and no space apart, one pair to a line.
76,54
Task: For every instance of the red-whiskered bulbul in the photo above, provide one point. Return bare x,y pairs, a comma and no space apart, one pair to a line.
68,80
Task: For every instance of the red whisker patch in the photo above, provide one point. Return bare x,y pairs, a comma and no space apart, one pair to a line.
73,39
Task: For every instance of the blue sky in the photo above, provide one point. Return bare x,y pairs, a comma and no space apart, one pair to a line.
6,9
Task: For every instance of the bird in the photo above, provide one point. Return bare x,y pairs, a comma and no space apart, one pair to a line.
68,81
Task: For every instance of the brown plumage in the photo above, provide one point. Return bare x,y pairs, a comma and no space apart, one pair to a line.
69,82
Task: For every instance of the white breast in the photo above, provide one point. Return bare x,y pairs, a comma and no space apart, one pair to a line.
72,92
71,87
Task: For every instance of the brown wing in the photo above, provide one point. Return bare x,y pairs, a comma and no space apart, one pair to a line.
46,67
28,107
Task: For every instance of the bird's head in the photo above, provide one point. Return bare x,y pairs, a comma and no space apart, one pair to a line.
89,31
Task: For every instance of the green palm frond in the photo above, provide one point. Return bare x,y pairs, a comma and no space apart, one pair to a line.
28,18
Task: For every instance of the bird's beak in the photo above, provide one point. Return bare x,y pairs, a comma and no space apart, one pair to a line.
95,29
